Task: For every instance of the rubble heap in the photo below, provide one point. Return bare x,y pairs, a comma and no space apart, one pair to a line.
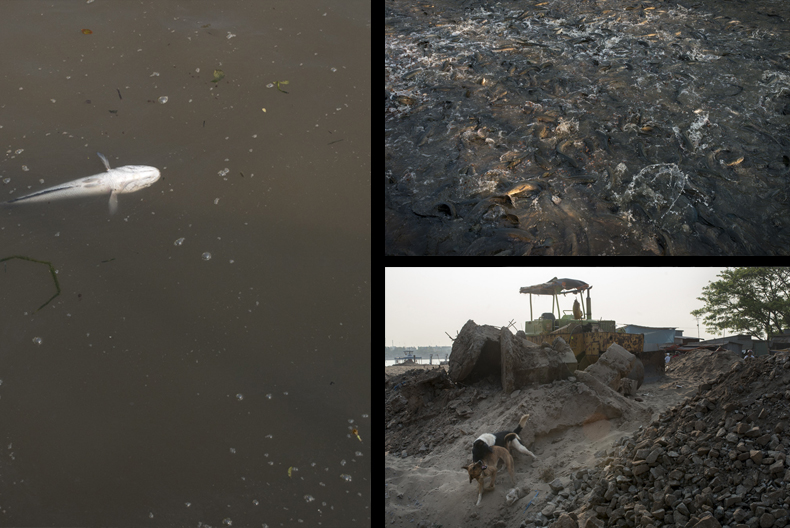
702,365
719,459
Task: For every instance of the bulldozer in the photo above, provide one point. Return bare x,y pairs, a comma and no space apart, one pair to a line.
587,337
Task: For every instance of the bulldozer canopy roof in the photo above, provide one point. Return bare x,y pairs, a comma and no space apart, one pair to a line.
555,286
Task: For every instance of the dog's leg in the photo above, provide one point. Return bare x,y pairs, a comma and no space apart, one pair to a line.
479,490
493,478
509,464
521,449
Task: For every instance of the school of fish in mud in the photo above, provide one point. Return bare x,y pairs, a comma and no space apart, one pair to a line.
586,128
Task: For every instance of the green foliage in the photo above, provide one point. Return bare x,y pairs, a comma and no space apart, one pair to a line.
753,301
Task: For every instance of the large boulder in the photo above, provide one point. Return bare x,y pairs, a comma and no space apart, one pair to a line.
482,351
565,352
475,353
524,362
613,365
637,373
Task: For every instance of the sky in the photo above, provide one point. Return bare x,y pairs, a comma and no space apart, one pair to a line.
421,304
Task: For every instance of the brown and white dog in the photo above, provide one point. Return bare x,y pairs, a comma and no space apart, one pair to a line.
486,467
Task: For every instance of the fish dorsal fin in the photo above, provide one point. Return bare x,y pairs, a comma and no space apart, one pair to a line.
113,202
106,163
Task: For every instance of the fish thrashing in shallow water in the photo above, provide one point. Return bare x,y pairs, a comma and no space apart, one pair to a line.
587,128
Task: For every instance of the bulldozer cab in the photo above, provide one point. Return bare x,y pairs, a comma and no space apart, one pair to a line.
587,338
548,322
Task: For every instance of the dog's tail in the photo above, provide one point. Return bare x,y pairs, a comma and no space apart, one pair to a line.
516,441
522,423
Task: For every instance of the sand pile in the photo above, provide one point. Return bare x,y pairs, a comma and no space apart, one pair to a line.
425,408
417,408
719,458
430,424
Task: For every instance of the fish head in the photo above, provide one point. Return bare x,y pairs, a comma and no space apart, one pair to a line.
131,178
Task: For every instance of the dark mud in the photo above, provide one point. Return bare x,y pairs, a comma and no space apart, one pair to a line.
569,127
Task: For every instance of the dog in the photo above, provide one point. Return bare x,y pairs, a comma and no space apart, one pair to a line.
482,446
487,467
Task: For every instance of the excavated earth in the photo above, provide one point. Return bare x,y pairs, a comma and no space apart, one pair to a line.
716,458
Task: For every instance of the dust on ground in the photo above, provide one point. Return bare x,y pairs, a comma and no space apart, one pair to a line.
572,426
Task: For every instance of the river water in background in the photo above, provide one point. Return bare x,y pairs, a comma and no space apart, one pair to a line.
207,361
574,127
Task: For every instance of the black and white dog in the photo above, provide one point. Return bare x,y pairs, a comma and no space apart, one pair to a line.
484,443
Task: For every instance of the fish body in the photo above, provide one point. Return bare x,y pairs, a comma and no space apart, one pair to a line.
126,179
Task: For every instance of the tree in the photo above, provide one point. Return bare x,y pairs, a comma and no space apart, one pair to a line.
754,301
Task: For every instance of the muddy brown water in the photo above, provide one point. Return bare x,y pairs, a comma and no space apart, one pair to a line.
161,388
587,128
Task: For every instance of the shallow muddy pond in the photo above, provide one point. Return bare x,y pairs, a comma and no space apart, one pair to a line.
587,128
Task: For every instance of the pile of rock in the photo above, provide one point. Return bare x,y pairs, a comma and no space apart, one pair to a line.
701,366
719,459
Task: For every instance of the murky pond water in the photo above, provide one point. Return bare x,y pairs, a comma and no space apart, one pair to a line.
574,127
201,357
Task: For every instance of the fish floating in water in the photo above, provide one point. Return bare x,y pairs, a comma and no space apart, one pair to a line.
126,179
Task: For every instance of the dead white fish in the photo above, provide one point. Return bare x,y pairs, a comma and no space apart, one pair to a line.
126,179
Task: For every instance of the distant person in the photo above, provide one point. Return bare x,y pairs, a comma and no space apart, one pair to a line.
749,354
577,310
667,358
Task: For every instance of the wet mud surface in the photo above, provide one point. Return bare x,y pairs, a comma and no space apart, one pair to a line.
569,127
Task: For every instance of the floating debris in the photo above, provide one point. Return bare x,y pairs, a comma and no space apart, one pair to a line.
278,83
52,272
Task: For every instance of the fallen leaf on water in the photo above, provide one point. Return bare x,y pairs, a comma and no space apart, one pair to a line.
278,83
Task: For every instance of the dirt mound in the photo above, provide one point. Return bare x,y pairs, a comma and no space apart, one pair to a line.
431,423
702,365
580,401
416,405
424,410
719,458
